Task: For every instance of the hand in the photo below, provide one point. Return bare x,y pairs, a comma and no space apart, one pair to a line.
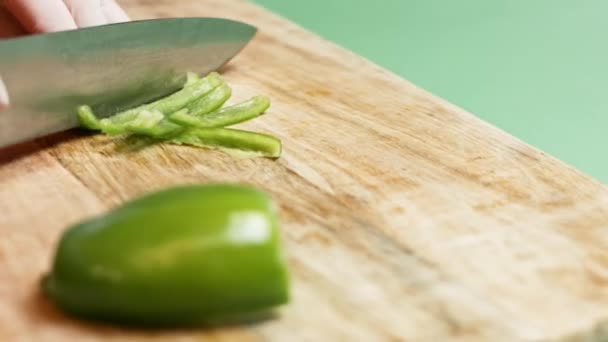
18,17
36,16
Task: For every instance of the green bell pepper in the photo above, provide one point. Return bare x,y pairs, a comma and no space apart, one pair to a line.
183,256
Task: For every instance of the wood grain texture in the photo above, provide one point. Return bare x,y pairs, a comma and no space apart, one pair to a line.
404,217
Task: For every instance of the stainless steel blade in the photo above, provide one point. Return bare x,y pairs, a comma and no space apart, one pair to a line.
110,67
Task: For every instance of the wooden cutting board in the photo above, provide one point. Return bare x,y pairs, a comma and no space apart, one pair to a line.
404,217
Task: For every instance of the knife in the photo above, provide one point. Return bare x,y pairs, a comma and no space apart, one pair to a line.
110,68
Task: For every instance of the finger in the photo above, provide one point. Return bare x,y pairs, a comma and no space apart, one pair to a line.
95,12
86,12
9,26
113,12
41,16
4,101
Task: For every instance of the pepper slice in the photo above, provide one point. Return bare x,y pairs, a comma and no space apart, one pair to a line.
161,129
211,102
187,255
87,118
191,78
145,119
192,116
193,90
263,144
241,112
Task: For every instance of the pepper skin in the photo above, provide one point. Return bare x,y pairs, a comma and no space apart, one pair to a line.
226,116
188,255
257,143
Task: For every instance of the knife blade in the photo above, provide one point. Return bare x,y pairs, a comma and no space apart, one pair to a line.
110,68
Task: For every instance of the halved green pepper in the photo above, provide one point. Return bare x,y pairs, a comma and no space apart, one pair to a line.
188,255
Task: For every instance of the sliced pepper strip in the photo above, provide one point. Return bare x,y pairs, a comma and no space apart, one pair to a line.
162,129
210,102
87,118
241,112
145,119
192,116
191,92
264,144
191,78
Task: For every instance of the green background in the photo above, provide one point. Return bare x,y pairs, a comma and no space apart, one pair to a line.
536,68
